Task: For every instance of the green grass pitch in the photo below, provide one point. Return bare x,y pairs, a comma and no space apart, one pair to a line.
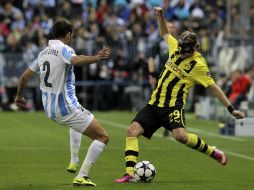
34,153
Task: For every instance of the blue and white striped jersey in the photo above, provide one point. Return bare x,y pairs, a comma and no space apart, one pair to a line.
56,79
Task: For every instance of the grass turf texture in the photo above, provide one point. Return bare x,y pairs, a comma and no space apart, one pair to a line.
34,153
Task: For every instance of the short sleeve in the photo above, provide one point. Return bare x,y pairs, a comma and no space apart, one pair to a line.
202,75
34,66
172,43
67,53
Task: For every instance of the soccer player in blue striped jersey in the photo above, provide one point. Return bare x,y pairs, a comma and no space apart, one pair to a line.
54,65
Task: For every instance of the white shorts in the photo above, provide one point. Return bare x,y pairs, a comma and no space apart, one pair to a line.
78,120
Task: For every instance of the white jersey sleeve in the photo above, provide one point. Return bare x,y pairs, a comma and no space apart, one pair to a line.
67,53
34,66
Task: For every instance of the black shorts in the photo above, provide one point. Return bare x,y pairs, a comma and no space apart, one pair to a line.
151,118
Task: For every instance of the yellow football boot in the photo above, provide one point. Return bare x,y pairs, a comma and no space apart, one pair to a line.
83,181
72,168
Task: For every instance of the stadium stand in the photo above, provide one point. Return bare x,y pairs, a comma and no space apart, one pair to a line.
129,28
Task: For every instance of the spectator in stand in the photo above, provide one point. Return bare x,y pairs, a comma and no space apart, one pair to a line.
197,10
241,84
90,3
101,12
81,38
204,41
3,94
251,24
2,42
19,22
49,6
36,23
168,10
76,7
250,73
30,52
123,11
236,22
46,24
120,3
3,26
42,43
221,7
33,3
13,40
182,10
66,9
11,12
4,32
29,11
215,23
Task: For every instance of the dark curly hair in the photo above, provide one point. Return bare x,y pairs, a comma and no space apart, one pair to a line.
61,28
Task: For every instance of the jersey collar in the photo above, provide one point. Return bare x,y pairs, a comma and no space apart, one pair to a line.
196,54
52,42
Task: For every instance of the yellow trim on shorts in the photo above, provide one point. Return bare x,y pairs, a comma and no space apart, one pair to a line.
182,118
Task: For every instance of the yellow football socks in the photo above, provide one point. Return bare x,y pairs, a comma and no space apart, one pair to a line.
131,154
199,144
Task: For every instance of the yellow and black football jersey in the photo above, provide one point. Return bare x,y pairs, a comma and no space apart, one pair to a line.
177,76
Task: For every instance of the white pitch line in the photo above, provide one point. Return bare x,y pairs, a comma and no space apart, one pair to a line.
240,155
119,125
114,124
122,126
216,135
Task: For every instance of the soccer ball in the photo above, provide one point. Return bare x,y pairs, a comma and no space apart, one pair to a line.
144,171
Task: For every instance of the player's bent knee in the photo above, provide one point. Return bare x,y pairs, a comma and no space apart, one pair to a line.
134,130
129,132
180,135
95,131
182,138
103,138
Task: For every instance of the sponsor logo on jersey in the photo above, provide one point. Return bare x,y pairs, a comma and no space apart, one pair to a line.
176,70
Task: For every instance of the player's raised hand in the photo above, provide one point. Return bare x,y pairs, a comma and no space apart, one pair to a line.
20,102
104,53
238,114
158,10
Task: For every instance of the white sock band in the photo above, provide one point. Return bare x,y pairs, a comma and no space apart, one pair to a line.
92,155
75,142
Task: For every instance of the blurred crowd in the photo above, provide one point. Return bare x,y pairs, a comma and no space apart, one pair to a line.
128,27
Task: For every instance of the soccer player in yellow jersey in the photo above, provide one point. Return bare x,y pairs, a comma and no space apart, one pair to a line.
182,70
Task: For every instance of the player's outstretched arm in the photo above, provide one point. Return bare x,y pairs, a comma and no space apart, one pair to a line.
162,22
224,100
80,60
20,100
